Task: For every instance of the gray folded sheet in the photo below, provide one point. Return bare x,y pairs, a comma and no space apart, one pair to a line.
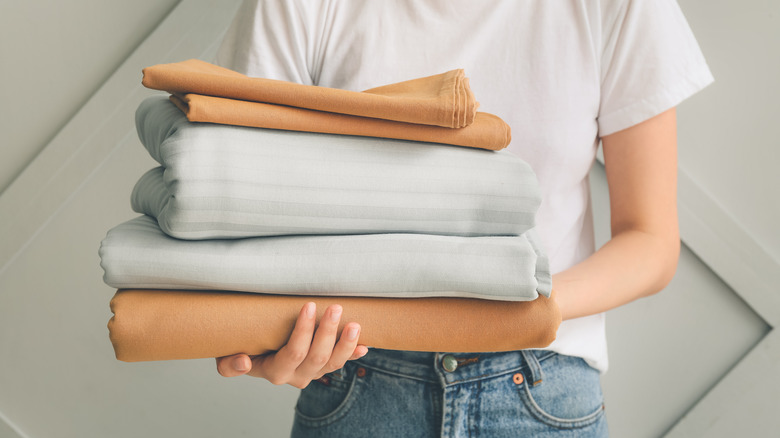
137,254
219,181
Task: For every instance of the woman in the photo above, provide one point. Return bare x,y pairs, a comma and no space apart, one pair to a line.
565,75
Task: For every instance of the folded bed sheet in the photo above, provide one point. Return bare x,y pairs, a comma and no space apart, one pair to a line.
220,181
487,132
164,325
444,99
137,254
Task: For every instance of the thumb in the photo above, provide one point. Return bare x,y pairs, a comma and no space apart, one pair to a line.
235,365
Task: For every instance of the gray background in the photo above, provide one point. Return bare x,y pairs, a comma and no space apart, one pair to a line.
700,359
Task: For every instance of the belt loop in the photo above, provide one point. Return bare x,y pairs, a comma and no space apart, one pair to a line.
531,367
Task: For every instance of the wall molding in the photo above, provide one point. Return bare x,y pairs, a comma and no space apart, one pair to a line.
739,260
192,29
96,131
8,429
737,403
743,402
729,249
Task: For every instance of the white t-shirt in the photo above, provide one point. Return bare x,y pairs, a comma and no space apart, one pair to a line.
560,72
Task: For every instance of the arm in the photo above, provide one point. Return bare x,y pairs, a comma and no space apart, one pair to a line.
641,257
449,324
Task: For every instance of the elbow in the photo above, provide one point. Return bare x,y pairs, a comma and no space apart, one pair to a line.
668,256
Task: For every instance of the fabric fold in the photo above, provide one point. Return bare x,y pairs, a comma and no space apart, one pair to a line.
165,325
222,181
137,254
486,132
443,100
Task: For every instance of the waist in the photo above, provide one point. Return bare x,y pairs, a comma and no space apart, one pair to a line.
452,368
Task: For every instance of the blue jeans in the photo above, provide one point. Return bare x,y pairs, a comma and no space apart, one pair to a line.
387,393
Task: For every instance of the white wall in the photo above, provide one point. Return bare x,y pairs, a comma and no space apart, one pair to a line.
668,351
730,142
58,376
54,55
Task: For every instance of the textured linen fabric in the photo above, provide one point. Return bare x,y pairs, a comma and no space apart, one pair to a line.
487,131
137,254
167,324
443,100
560,73
424,109
227,182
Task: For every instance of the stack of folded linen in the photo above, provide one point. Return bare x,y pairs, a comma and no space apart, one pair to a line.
439,108
279,217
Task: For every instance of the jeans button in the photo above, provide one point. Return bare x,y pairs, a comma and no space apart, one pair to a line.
449,363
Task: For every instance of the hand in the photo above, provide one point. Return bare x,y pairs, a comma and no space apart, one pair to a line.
308,355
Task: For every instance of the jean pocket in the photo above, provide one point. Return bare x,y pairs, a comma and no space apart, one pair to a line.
568,395
328,399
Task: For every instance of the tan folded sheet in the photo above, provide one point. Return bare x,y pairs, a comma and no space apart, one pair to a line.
487,131
443,100
164,325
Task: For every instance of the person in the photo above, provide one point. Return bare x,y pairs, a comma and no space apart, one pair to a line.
566,75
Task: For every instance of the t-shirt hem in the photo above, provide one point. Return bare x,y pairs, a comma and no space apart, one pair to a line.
584,338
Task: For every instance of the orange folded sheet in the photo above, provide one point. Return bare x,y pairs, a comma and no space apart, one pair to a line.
164,325
487,131
442,100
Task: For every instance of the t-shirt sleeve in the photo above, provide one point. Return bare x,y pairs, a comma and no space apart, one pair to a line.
272,39
650,62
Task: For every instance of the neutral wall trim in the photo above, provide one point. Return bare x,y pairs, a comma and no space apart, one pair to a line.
96,131
744,400
8,429
729,249
90,136
743,403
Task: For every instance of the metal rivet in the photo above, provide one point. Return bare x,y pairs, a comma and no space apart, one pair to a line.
449,363
361,372
517,378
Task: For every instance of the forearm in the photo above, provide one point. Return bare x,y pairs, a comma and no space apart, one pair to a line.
641,257
632,265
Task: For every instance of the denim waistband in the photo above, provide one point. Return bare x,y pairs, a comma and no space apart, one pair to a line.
455,368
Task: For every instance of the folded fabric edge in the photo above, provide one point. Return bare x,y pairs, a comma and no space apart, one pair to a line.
163,327
488,131
208,79
124,268
543,274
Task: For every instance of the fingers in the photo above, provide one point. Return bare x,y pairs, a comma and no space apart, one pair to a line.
321,350
360,351
280,367
311,351
232,366
344,350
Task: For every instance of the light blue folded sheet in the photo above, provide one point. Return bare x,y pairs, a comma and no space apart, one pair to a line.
218,181
137,254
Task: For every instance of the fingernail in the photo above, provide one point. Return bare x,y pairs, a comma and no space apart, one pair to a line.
309,311
335,314
352,333
240,364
